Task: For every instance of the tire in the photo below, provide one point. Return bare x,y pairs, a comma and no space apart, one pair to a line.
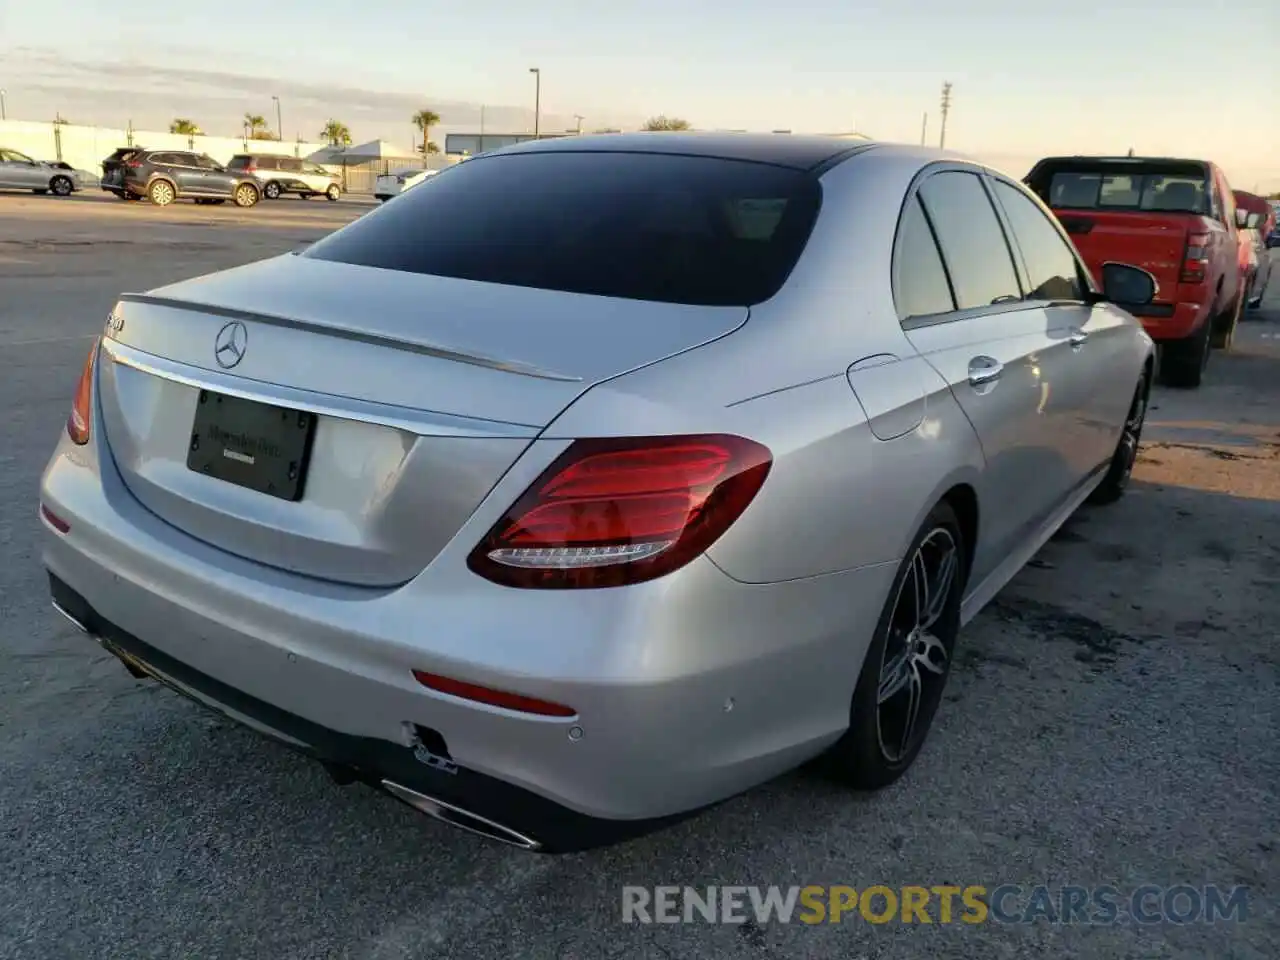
62,186
1116,481
1183,363
161,193
862,757
1224,332
246,195
271,191
333,193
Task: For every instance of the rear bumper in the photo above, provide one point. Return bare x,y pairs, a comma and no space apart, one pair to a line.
688,689
1176,321
462,798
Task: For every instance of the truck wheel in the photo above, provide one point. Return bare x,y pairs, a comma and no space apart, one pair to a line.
1184,360
1224,331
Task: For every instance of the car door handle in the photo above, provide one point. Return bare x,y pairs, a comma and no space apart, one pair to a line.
984,370
1077,338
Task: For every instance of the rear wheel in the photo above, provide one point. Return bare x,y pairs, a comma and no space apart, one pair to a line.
161,193
271,191
1183,363
1116,481
1224,331
907,664
246,195
61,186
333,193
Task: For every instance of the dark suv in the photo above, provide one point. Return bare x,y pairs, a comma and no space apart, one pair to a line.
288,175
163,176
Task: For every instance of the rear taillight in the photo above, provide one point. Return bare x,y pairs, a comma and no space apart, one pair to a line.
250,169
81,409
133,164
611,512
1195,261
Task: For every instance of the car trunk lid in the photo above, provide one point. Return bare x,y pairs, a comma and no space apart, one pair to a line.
398,400
1156,243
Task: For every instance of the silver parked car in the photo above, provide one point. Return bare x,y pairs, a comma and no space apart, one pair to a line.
604,478
20,172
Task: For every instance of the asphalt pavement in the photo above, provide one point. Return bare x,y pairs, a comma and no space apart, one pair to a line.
1112,719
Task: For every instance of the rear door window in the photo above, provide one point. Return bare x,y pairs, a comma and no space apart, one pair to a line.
973,243
920,286
670,228
290,164
1051,265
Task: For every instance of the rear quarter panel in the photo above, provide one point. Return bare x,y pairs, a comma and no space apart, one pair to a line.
837,497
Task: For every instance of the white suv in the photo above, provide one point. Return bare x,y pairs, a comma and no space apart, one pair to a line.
288,175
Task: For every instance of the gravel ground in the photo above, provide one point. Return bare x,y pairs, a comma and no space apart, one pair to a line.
1112,719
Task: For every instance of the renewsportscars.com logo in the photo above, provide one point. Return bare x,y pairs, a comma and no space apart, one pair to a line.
942,904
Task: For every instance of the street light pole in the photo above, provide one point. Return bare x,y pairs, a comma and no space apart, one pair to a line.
579,119
946,108
3,114
537,99
279,122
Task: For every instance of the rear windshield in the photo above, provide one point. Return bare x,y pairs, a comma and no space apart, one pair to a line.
1167,188
670,228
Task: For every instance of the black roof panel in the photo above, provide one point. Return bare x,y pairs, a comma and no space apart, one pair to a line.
801,152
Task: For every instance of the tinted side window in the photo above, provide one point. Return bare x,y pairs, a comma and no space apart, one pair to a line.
291,164
669,228
238,163
972,240
182,159
920,283
1051,267
268,163
163,159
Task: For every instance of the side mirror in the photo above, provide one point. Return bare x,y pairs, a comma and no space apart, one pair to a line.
1125,285
1242,217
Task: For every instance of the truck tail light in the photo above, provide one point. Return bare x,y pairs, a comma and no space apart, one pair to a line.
82,408
612,512
1195,261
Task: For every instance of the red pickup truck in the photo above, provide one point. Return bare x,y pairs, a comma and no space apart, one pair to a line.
1174,218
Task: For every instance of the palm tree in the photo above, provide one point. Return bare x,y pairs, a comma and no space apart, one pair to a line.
663,122
424,120
256,124
336,134
185,126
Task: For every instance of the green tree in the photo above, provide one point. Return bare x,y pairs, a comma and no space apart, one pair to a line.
432,147
257,125
184,126
663,122
424,120
336,134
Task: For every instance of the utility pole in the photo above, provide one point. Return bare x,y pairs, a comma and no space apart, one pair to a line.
579,118
279,122
3,113
946,108
537,98
924,127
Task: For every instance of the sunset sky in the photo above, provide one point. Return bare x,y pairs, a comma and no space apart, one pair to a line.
1030,78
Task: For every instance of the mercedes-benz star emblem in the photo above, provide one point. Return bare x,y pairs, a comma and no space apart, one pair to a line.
232,341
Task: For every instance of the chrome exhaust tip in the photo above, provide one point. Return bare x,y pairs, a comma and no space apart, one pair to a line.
75,621
457,817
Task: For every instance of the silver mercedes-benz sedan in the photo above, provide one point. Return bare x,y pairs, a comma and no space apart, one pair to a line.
599,479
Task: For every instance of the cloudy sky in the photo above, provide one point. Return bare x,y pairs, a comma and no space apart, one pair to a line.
1031,77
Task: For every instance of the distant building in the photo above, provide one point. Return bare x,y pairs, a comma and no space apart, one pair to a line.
471,144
